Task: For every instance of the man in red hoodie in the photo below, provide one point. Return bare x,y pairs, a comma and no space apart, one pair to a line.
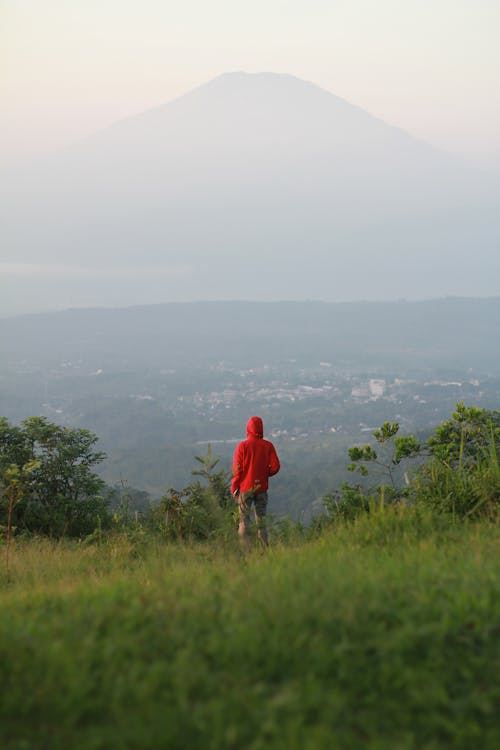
255,460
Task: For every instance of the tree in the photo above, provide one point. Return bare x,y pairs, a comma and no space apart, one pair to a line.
386,457
463,476
467,437
199,510
61,493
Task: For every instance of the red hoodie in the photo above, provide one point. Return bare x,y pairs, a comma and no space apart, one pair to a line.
255,460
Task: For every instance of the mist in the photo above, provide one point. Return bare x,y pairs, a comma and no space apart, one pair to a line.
250,187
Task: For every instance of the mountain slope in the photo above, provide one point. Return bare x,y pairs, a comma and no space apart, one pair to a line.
254,186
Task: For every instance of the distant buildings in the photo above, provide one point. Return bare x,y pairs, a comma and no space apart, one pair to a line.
373,389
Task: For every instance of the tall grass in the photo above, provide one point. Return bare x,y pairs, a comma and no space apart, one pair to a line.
383,633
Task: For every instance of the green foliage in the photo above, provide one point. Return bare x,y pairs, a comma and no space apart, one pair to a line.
361,453
199,510
386,432
286,531
462,476
392,449
465,491
467,437
345,503
352,499
14,487
218,481
405,446
61,495
127,504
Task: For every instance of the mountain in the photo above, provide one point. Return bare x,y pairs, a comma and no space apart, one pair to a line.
249,187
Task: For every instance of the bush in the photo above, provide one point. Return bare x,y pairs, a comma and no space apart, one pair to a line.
461,478
198,511
465,492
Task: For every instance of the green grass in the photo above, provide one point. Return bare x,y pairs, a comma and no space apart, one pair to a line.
384,634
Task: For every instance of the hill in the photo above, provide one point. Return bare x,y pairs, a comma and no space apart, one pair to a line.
438,333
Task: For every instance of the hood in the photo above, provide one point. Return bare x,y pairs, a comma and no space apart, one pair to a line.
255,428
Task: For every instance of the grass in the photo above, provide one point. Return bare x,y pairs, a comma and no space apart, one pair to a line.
383,634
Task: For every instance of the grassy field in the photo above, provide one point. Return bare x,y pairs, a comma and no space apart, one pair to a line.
382,635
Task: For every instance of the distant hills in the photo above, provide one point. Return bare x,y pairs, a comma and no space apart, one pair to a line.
260,187
448,333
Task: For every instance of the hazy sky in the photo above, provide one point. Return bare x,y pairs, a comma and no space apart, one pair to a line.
70,67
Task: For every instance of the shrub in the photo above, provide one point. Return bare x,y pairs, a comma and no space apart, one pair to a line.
199,510
462,476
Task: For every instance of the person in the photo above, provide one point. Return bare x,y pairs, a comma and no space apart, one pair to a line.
255,460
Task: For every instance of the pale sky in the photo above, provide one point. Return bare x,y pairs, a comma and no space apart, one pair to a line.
71,67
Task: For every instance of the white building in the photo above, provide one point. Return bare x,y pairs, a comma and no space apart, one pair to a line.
376,388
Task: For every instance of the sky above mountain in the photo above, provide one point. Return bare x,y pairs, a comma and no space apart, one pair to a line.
72,68
251,186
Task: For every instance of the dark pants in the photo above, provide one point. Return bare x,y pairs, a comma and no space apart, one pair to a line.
259,502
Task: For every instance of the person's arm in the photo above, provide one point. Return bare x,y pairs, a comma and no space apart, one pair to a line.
274,462
237,470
